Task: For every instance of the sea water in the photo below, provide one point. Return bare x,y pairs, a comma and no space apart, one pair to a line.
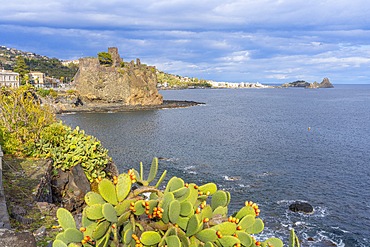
271,146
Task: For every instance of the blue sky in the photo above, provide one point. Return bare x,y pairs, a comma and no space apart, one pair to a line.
242,40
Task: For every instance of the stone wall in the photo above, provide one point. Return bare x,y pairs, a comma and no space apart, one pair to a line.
4,216
132,84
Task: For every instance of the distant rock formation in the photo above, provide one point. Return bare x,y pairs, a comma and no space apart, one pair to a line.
126,83
324,84
296,84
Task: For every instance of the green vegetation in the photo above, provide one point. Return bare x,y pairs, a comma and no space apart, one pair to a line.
22,119
46,92
22,68
53,68
70,147
105,58
176,81
28,128
128,211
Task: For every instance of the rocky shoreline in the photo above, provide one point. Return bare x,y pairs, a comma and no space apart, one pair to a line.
119,107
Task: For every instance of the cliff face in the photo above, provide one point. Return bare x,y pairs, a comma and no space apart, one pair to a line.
132,84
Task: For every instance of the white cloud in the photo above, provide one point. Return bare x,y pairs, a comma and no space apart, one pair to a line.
265,39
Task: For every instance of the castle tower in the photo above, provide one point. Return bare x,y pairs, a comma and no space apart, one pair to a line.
113,51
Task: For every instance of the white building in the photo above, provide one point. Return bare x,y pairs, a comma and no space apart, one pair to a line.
37,79
9,79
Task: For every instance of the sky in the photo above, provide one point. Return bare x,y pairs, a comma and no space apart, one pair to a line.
267,41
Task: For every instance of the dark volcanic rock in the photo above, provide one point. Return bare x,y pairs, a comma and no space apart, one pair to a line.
301,207
70,187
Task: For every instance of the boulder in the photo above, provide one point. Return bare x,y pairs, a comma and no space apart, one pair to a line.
10,238
69,188
301,207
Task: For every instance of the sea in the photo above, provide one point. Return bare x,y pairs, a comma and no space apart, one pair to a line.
270,146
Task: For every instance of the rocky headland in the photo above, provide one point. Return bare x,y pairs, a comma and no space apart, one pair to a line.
116,86
117,82
324,84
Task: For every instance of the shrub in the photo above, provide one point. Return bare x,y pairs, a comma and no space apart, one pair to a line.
129,212
70,147
105,58
22,118
43,92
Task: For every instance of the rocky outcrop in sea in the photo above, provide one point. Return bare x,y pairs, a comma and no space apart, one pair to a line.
324,84
119,82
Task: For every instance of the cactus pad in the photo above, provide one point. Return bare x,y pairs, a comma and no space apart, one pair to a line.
59,243
92,198
256,228
220,211
174,211
228,241
94,212
123,206
108,191
153,170
247,221
207,235
193,225
275,242
65,219
73,235
100,230
208,244
175,183
245,238
109,212
160,180
248,210
186,209
173,241
127,236
226,228
150,238
219,199
139,208
210,187
123,186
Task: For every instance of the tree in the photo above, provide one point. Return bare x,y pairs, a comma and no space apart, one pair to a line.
105,58
22,68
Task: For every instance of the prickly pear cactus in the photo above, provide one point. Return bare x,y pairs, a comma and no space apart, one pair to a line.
180,215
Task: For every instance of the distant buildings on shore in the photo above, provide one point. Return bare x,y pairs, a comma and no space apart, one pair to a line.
216,84
37,79
9,79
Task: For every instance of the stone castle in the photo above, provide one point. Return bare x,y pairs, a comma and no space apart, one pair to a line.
127,83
